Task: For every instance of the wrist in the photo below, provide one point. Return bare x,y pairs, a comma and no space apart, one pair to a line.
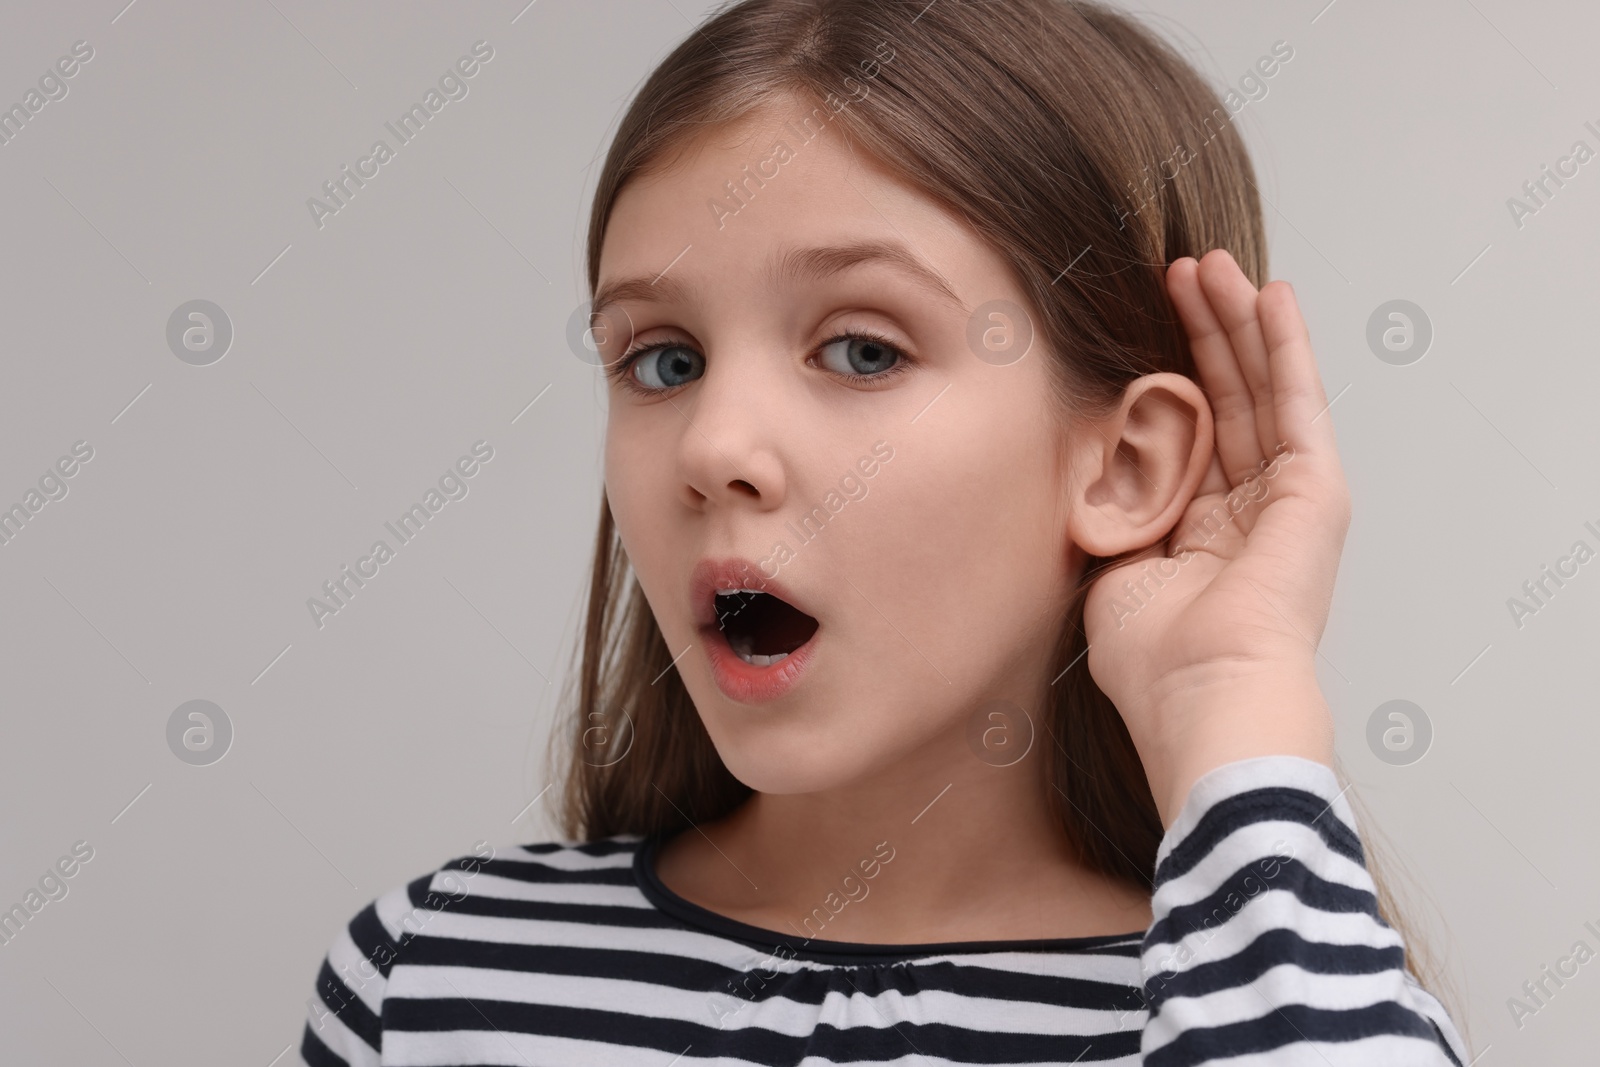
1229,716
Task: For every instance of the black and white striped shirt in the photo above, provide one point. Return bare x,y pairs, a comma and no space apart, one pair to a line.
1265,949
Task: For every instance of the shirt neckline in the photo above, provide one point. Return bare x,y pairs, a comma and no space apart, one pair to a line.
818,949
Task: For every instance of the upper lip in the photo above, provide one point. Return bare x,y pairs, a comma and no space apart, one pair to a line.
732,572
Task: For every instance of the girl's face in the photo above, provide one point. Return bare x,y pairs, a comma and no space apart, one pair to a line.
814,403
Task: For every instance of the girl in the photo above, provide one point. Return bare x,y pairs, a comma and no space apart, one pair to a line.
971,516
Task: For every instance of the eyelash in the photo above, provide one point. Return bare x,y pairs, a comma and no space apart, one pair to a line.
621,370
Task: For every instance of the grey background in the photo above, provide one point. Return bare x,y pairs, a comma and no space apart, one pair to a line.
427,315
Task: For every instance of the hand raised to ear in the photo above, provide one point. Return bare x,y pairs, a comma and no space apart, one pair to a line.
1207,642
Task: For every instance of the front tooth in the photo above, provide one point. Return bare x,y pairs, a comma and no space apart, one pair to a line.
760,660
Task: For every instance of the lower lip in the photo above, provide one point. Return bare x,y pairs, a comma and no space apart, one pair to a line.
748,683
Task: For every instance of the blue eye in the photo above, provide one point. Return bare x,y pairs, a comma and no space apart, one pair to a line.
663,366
864,355
669,365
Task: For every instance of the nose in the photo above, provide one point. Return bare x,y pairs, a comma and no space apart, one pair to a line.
730,450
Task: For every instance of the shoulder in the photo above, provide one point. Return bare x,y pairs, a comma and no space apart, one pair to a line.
473,897
468,897
492,878
600,854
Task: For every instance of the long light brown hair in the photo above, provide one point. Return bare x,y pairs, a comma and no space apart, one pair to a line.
1054,128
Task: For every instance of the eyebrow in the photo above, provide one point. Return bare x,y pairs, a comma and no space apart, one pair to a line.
792,266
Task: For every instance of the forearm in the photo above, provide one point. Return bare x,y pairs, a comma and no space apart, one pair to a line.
1267,945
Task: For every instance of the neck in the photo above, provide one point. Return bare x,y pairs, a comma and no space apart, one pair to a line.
943,846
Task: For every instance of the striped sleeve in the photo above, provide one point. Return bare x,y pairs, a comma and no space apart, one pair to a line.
343,1027
1266,946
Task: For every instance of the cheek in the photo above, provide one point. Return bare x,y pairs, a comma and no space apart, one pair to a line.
637,482
635,512
962,531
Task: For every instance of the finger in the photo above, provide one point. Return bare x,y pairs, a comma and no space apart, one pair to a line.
1233,298
1315,474
1232,404
1300,403
1190,532
1216,479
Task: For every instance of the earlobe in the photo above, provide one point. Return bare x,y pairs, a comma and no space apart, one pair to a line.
1136,470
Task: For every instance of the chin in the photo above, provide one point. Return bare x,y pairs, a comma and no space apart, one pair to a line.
785,777
791,757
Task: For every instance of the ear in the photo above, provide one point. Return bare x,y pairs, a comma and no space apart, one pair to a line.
1135,471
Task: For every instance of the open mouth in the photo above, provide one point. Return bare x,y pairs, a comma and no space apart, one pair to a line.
762,629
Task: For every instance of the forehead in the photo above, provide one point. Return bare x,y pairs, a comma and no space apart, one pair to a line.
783,177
